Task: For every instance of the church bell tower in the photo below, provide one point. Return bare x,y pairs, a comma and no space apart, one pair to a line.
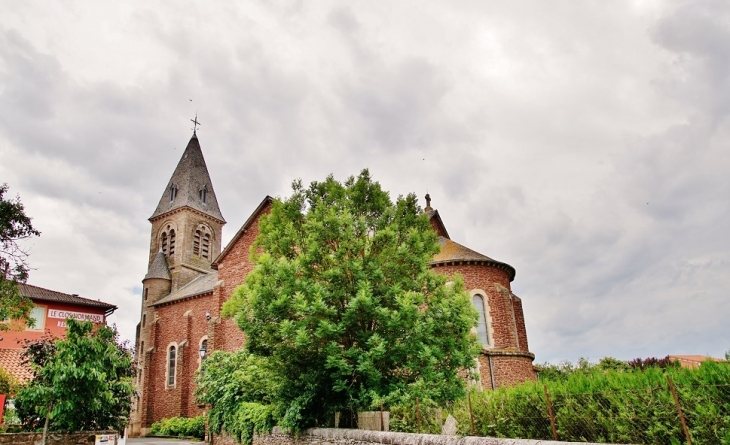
187,223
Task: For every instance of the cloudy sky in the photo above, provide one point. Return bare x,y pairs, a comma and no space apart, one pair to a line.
587,144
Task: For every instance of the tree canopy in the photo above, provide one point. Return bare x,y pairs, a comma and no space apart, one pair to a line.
80,383
15,225
343,305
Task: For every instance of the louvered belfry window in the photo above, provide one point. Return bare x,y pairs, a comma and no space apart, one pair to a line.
196,243
172,242
164,243
206,246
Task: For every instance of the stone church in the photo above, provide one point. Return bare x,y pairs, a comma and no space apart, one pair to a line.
189,278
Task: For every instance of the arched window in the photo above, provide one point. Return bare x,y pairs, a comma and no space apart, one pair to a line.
164,243
172,242
173,192
171,364
204,194
205,251
196,243
482,332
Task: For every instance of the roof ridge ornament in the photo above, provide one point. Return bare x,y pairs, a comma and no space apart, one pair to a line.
428,203
195,124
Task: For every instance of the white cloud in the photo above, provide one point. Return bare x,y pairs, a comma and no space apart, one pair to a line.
582,144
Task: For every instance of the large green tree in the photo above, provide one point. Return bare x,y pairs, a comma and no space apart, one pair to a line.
343,304
15,225
80,383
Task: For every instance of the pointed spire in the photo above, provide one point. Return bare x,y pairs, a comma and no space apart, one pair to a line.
158,268
190,185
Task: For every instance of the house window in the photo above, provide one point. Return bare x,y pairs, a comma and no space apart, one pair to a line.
204,195
38,314
172,242
173,192
171,364
482,332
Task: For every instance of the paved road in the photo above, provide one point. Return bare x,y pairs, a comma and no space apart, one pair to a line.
159,441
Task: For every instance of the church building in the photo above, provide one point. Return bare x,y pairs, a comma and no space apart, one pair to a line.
189,278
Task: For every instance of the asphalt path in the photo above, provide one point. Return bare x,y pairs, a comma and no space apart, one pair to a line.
159,441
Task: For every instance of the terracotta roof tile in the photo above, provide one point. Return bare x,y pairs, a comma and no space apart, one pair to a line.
11,361
39,293
453,252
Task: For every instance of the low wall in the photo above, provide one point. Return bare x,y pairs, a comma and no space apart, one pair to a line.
84,438
336,436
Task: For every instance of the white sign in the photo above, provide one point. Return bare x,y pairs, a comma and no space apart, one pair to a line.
96,318
105,439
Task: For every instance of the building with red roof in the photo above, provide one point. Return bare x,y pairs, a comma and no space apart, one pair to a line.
51,310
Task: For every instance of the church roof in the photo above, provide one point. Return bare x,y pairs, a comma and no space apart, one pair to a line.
158,268
199,286
188,180
453,252
39,293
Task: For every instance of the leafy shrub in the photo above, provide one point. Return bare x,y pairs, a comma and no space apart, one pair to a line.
600,405
180,426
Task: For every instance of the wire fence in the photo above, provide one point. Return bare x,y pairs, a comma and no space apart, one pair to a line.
658,414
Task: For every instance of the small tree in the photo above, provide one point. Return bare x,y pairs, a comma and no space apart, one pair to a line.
344,305
15,225
82,382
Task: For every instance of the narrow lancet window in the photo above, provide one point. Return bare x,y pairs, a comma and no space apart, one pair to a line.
171,365
204,195
482,332
164,243
173,192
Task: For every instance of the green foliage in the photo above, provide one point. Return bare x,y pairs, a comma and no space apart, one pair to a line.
612,406
82,382
180,426
238,387
343,304
8,383
15,225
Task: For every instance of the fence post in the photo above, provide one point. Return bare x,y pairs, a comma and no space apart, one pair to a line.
550,412
471,413
418,415
679,409
382,425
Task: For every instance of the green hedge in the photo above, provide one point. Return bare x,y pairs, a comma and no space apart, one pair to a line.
602,406
180,426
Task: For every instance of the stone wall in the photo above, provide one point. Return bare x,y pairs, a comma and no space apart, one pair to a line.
83,438
331,436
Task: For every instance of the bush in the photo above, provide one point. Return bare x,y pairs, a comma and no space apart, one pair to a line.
600,405
180,426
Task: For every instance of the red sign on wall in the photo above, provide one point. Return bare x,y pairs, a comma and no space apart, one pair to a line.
2,406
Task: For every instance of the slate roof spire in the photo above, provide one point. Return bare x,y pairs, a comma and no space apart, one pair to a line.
158,268
190,185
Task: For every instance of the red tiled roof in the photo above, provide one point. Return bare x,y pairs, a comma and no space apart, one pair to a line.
39,293
11,361
693,361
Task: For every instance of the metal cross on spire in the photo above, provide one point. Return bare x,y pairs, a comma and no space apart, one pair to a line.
195,124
